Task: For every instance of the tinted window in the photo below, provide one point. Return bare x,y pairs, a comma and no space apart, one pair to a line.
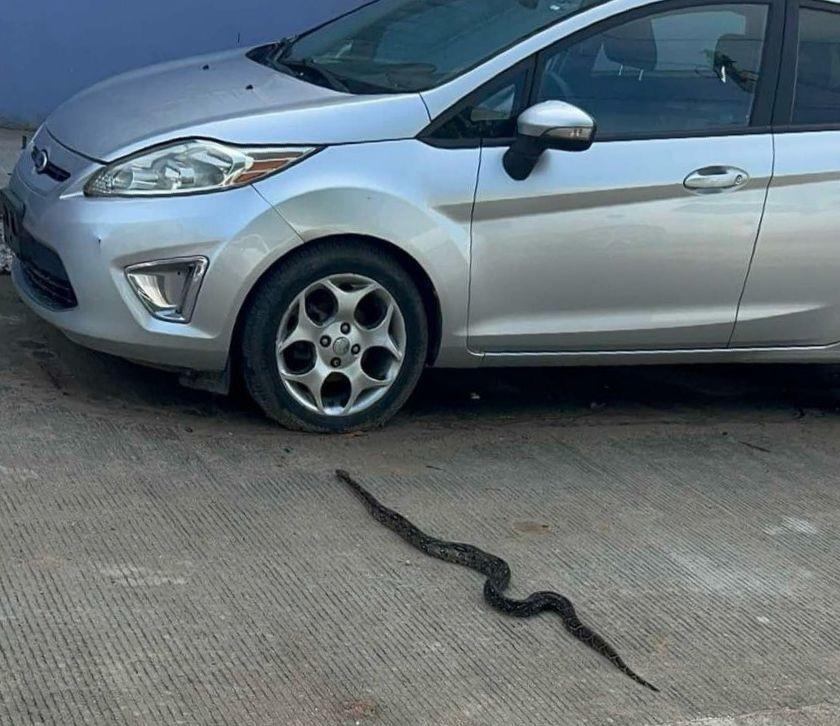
491,113
680,71
412,45
817,99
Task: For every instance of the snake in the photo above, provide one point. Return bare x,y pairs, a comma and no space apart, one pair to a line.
498,575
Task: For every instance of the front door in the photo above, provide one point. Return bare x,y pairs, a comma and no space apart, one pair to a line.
644,241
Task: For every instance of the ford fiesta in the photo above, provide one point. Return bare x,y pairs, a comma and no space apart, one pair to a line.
451,183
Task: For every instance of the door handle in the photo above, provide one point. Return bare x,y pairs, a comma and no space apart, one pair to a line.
716,179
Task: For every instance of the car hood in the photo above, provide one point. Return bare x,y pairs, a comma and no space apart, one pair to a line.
228,97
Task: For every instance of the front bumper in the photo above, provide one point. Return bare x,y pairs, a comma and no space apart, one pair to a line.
96,239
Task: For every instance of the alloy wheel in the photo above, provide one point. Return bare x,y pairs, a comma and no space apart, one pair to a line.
341,345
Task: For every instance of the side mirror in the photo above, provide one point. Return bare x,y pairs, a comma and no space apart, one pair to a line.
548,125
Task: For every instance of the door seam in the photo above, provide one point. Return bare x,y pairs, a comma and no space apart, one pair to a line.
755,243
472,256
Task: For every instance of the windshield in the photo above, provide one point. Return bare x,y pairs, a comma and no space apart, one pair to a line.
395,46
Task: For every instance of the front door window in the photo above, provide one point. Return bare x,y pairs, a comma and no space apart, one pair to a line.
682,71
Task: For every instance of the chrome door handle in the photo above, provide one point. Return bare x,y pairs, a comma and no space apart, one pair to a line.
716,179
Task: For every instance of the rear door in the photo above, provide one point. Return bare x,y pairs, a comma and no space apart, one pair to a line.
636,244
792,296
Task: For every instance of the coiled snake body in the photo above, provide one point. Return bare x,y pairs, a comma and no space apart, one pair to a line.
498,575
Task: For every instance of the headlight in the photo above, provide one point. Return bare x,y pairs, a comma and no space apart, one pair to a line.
187,167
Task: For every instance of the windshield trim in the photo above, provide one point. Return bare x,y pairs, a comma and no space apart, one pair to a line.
261,51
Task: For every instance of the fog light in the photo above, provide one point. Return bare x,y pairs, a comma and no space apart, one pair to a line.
169,288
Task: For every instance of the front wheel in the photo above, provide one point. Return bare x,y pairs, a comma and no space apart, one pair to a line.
335,339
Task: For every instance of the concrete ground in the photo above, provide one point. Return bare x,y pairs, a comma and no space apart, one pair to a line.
170,557
10,145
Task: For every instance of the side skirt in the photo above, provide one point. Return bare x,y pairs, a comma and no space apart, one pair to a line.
798,354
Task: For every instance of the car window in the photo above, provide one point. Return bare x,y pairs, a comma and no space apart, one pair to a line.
685,70
491,112
394,46
817,99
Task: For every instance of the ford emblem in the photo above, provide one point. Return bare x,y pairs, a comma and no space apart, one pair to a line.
41,159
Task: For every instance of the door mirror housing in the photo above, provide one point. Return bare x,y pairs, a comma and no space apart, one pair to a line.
549,125
559,125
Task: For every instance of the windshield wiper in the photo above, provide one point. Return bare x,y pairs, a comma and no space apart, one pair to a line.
305,65
284,47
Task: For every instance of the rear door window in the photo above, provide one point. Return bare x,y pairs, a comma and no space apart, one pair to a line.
817,94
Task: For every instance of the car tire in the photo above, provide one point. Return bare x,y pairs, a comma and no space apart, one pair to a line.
301,311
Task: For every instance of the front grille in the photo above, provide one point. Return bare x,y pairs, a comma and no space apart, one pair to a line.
56,173
45,273
53,171
53,291
42,268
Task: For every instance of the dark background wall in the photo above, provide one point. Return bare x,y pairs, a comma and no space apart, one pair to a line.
50,49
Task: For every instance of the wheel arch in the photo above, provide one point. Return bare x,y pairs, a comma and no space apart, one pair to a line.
419,276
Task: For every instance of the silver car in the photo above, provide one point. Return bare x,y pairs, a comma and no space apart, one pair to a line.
451,183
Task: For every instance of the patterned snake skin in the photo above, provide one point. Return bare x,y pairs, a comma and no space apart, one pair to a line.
498,576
